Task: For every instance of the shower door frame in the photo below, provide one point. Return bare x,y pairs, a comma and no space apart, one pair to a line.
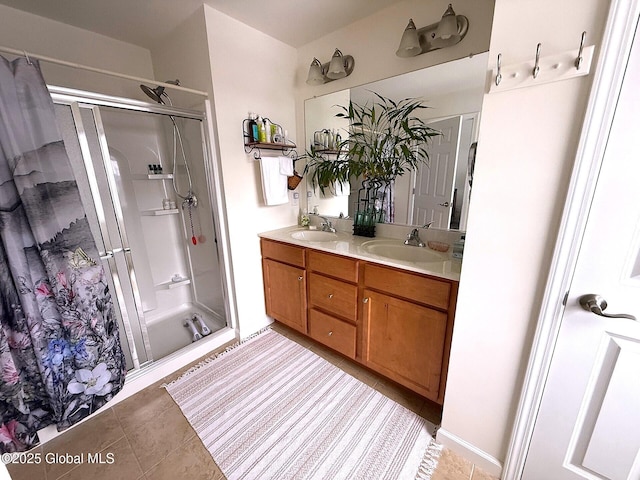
77,99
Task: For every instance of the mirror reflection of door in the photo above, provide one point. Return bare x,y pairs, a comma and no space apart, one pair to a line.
434,189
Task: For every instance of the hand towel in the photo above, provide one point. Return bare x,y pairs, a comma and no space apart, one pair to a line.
274,184
286,166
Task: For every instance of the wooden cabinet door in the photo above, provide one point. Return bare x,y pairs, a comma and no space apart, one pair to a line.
285,294
404,341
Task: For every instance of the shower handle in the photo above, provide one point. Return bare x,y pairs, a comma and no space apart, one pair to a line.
110,253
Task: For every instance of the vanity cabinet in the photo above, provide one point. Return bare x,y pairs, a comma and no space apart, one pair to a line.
333,301
395,322
285,286
406,324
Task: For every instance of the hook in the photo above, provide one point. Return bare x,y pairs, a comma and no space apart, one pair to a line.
499,75
26,55
579,59
536,69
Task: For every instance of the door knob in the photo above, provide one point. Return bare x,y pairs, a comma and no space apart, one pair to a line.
596,304
445,204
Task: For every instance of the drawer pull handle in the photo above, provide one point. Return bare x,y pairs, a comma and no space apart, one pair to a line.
365,300
300,278
331,295
330,333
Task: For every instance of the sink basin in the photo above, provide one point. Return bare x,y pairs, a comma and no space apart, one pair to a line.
314,236
396,250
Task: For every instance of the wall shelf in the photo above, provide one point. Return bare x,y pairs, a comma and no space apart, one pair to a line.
250,146
153,176
170,285
159,211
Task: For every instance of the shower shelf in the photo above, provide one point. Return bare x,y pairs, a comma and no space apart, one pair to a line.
153,176
171,284
159,211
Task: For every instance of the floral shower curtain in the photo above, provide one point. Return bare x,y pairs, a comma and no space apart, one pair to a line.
60,355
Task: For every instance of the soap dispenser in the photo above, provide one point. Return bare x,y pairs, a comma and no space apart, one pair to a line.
458,248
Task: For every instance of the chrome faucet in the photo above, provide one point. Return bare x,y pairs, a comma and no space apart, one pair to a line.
326,226
414,239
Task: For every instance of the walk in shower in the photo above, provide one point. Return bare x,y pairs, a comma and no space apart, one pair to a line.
146,184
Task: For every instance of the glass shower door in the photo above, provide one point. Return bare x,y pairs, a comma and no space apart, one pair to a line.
154,229
81,145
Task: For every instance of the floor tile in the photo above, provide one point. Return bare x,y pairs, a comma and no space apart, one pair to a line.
401,395
452,467
291,334
29,471
178,373
431,411
334,358
191,460
153,439
361,373
116,461
144,405
91,436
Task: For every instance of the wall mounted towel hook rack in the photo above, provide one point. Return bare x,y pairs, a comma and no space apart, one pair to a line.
579,59
499,74
543,69
536,68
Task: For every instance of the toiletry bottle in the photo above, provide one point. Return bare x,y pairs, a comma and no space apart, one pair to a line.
252,134
267,130
261,133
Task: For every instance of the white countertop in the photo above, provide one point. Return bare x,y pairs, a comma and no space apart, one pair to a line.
352,246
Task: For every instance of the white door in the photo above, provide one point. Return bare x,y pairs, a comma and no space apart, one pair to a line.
433,197
588,426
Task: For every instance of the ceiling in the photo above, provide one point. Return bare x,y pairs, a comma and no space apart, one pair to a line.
145,22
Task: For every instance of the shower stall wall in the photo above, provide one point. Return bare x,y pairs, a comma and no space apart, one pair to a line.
158,243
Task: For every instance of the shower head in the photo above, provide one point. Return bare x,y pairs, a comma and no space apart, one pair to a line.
157,93
154,94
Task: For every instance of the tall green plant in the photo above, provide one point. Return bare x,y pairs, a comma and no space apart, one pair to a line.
386,139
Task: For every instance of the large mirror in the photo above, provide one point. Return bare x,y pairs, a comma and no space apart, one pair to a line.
438,192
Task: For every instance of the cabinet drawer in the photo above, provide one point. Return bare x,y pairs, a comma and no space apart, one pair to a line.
282,252
333,265
407,285
333,296
334,333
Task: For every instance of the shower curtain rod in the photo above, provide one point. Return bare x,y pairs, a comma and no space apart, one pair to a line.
23,53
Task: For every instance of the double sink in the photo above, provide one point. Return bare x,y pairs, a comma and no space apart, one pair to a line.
386,248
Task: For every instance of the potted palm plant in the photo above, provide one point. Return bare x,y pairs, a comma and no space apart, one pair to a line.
386,139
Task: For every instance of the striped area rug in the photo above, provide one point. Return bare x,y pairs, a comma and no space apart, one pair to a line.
272,409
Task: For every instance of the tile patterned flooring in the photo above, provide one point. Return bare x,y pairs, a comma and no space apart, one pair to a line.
150,439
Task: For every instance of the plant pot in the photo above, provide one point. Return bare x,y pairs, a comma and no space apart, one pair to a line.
294,181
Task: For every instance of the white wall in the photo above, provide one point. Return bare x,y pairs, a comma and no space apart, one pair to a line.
527,143
24,31
251,72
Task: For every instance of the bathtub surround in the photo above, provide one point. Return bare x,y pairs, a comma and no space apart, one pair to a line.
271,409
61,356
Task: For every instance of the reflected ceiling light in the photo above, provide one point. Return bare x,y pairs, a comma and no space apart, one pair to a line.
449,31
340,66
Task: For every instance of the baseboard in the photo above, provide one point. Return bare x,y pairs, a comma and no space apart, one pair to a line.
476,456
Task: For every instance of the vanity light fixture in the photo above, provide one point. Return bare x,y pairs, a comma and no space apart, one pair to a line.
449,31
340,66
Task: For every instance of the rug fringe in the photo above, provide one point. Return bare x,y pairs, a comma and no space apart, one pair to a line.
213,356
429,461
